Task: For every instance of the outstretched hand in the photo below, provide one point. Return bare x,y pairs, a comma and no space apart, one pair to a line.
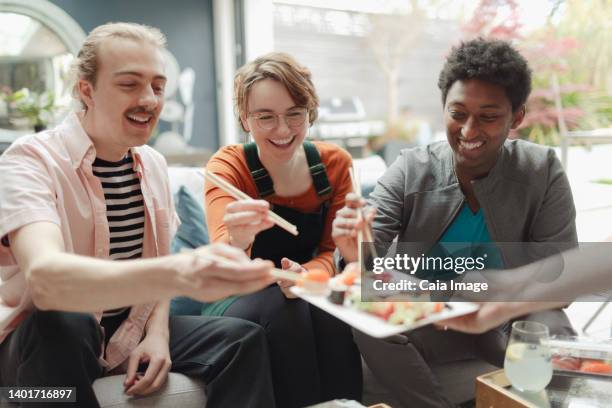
216,271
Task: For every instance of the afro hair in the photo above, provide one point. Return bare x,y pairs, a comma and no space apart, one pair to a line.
492,61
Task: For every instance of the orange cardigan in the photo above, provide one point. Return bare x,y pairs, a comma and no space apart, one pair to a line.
230,163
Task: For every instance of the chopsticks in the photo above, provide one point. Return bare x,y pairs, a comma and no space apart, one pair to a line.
239,195
287,275
277,273
367,230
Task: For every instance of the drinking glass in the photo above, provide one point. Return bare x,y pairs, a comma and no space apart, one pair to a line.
528,363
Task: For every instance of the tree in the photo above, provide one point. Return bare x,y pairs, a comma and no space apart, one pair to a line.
495,19
390,36
574,46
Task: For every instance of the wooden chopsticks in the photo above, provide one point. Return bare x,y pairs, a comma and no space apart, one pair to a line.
277,273
239,195
287,275
367,229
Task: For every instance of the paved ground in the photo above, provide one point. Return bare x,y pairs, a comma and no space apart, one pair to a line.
593,221
593,200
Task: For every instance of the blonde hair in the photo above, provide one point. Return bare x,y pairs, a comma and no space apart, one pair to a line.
85,65
280,67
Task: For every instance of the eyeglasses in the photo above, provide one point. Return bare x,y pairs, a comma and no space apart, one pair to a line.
294,118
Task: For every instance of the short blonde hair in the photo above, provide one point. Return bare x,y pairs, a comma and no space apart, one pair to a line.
85,65
280,67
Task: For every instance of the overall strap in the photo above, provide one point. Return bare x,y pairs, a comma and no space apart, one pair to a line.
317,170
263,181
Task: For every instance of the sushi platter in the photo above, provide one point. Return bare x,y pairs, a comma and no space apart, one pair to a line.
341,297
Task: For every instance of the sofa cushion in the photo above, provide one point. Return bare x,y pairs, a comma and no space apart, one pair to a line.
192,233
190,177
179,391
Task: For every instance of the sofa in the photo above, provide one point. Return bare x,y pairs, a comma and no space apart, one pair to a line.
457,378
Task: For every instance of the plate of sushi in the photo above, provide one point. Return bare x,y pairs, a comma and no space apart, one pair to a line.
341,297
581,355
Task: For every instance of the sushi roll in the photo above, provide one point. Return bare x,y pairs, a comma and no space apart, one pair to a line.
338,291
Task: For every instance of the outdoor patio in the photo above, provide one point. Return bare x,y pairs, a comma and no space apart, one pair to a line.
594,219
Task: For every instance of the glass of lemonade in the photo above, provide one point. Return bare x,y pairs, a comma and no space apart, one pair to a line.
528,363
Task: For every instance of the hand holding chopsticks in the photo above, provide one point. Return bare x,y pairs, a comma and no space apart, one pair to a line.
286,275
224,256
212,272
352,223
240,195
314,281
367,228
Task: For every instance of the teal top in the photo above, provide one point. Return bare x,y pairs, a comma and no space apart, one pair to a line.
467,227
466,236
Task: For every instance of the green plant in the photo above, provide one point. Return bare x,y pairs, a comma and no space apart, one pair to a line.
37,108
603,181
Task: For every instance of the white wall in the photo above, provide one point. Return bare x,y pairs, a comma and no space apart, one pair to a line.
259,28
225,66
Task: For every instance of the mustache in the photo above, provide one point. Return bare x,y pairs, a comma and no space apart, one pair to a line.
140,109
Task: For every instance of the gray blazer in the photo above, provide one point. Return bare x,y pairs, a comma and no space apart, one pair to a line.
526,197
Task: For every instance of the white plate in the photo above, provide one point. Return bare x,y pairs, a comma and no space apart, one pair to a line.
375,326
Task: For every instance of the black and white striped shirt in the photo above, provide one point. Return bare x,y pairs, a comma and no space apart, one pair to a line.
124,210
124,207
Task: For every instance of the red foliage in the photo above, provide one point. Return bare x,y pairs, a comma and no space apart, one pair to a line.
548,54
485,21
546,116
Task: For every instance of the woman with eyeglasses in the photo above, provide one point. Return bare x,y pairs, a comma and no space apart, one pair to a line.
313,355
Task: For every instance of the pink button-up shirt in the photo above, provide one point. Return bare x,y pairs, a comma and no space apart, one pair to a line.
48,177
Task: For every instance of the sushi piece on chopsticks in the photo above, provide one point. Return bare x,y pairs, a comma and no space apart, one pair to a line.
314,280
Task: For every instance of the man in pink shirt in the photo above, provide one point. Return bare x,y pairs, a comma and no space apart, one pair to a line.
79,204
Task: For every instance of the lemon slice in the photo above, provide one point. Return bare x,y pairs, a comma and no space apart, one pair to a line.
516,351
